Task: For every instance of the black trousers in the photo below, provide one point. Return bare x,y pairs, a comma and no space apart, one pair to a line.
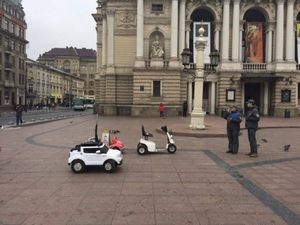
233,140
252,140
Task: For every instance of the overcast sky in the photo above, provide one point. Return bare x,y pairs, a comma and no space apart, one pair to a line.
59,23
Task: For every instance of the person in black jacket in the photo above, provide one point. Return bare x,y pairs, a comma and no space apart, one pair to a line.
184,109
19,109
251,121
234,118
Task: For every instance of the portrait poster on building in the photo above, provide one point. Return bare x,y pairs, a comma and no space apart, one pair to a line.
206,37
298,41
254,42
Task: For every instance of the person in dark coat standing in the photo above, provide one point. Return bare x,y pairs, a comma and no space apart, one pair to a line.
252,119
19,110
184,109
234,118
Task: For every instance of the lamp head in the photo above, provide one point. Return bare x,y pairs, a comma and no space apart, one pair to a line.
214,57
186,54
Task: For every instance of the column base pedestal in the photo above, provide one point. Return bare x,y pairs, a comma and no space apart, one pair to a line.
197,121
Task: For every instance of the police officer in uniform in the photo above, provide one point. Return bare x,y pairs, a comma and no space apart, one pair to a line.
234,118
252,118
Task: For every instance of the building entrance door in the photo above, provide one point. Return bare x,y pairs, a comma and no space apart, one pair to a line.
252,91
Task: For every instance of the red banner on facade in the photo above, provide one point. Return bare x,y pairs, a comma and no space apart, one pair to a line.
254,43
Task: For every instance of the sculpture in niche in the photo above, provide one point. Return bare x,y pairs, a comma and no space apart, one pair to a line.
156,49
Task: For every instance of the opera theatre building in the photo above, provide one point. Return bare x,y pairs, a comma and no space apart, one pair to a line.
140,45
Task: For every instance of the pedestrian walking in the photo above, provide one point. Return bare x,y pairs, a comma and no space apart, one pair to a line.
251,121
234,118
184,108
161,110
19,110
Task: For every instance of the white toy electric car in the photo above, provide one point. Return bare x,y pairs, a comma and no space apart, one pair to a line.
94,154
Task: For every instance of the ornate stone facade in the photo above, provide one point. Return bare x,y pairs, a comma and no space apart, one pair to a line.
131,82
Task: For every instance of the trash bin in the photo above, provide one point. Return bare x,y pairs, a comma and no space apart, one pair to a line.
223,111
287,113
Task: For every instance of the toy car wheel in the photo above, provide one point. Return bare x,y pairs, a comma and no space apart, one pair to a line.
142,150
78,166
172,148
109,166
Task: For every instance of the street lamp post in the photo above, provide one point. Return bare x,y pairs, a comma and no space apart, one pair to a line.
197,115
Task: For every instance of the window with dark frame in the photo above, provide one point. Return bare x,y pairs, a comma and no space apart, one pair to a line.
157,7
156,88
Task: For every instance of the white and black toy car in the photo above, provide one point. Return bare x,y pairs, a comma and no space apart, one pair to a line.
94,154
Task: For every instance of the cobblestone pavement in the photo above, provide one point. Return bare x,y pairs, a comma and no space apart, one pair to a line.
199,184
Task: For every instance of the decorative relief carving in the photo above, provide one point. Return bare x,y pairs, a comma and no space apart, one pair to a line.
215,5
126,19
157,12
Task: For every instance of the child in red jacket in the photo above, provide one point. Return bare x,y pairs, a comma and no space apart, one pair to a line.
161,109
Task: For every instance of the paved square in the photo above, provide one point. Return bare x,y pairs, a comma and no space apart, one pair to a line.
199,184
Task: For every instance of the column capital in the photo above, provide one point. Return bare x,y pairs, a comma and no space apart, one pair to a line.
290,2
226,2
236,1
183,2
110,12
280,2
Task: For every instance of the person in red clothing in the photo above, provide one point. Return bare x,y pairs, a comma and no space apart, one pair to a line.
161,109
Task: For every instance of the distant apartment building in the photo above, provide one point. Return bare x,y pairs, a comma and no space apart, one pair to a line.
12,53
80,62
46,84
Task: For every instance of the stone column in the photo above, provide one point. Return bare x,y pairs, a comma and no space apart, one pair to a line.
241,44
225,31
187,33
279,30
290,33
217,35
181,27
197,116
190,96
269,45
110,24
104,44
213,98
243,96
235,31
266,98
140,30
174,30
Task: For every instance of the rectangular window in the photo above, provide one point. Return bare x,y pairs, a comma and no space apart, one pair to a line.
156,88
6,75
91,76
6,42
91,83
6,25
13,45
157,7
13,28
